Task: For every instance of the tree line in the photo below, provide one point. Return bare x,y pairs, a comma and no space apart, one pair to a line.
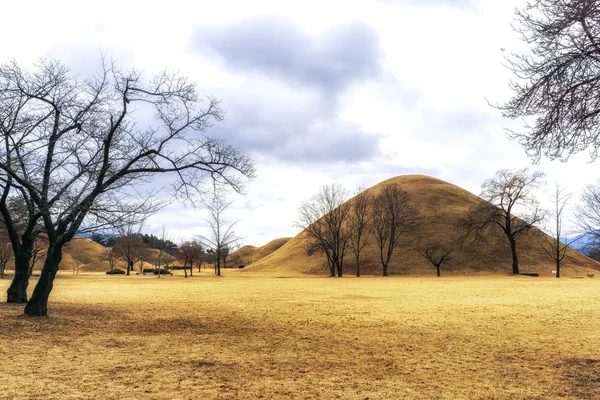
338,226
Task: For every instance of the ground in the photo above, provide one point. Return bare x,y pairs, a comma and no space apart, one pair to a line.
247,337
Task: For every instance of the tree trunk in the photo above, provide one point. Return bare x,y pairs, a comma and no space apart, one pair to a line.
515,261
218,267
17,292
558,268
129,267
385,267
438,270
358,265
38,304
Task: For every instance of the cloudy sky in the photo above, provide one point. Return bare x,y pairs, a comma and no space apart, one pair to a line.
352,92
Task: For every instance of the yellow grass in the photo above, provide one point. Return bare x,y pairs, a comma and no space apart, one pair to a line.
250,254
248,337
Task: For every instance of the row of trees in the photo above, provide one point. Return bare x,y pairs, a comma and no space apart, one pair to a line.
337,225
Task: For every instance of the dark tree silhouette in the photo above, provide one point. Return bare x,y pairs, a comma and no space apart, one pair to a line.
324,219
435,254
555,86
393,215
505,195
78,151
6,253
131,248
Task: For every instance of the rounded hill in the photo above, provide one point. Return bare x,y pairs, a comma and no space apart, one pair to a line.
441,207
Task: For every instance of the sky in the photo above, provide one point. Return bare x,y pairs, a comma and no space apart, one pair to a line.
316,92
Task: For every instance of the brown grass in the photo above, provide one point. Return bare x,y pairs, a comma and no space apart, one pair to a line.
250,254
441,206
249,337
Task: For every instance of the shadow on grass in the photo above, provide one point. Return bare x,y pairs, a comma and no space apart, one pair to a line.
582,378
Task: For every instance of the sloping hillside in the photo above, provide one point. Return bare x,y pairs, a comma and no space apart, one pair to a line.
441,206
249,254
88,253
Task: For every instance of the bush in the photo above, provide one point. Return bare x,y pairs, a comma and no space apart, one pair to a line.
241,266
116,271
161,271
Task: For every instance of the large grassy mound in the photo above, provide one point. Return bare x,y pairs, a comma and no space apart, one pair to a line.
441,206
249,254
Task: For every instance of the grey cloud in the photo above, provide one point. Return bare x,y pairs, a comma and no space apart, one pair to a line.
327,141
279,48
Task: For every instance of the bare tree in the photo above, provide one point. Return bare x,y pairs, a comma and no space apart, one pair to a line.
6,253
20,219
190,252
221,232
324,219
393,215
436,254
555,90
130,248
506,194
553,246
587,212
111,256
80,155
358,223
162,243
38,250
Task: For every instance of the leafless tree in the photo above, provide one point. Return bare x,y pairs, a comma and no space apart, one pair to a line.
38,251
587,215
393,215
358,223
553,246
436,254
144,256
111,256
221,232
190,252
160,257
324,218
507,194
6,253
131,248
555,87
82,157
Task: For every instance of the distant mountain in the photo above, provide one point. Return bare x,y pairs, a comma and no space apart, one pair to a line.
583,243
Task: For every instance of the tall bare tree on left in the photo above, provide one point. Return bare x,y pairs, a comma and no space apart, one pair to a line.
79,151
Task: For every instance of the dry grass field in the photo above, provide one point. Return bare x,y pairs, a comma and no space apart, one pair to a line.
249,337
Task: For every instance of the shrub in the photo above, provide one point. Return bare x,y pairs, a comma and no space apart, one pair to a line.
116,271
161,271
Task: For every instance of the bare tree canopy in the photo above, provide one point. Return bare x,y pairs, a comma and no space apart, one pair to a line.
393,215
80,150
587,212
221,236
555,90
436,254
507,194
359,222
554,248
324,217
